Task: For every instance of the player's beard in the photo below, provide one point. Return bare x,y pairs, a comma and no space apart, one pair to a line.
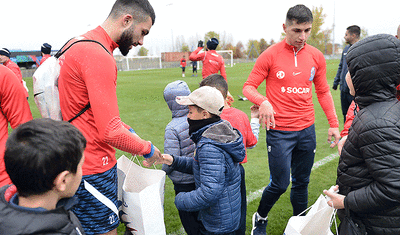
125,41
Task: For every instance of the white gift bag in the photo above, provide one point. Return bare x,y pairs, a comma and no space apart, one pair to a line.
318,220
141,191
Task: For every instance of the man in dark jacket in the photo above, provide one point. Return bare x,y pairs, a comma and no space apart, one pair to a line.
215,166
369,166
351,36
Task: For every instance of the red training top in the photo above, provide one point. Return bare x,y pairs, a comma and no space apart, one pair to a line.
183,62
212,62
289,76
349,119
17,71
240,121
89,73
14,110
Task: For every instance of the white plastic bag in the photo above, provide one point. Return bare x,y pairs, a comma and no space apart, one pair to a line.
141,191
45,89
318,220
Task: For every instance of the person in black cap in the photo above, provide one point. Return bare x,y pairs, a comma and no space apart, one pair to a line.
5,55
212,61
46,50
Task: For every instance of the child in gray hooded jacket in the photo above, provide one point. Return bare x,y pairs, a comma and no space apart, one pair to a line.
178,143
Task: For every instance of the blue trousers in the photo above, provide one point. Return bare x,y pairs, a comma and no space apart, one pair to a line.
189,220
289,153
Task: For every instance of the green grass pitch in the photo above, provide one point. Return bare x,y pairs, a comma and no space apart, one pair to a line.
142,106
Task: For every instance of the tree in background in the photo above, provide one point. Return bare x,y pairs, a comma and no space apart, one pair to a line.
238,52
143,51
179,43
225,39
209,35
319,38
185,48
364,33
263,45
253,49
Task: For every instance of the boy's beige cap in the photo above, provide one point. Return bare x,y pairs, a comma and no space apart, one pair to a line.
206,97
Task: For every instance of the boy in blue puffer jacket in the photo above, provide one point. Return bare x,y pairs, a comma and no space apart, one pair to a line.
178,143
215,165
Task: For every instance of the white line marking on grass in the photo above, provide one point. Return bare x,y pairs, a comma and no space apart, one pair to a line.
257,194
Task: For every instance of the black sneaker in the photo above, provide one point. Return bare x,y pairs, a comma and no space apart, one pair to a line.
259,225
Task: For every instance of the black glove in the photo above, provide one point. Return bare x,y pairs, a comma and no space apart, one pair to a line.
200,44
334,87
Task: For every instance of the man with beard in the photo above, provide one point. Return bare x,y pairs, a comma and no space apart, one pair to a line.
88,75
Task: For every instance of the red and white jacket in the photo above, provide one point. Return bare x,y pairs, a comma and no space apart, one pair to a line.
17,71
212,62
14,109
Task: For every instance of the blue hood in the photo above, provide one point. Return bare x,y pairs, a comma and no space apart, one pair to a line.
171,91
224,136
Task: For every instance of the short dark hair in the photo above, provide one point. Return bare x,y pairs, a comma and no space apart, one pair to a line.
200,109
354,29
139,9
299,13
38,151
217,81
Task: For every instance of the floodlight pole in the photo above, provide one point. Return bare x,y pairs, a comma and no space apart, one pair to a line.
333,30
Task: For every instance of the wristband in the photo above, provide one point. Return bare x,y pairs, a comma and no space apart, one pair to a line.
132,130
149,155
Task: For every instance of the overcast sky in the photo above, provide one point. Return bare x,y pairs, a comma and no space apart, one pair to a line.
27,24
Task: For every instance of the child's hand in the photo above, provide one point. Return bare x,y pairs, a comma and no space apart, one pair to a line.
255,111
164,159
167,159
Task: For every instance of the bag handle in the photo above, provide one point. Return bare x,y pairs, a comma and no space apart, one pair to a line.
134,157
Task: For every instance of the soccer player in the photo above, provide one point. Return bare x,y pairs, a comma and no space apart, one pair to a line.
89,75
212,61
5,56
287,111
183,65
14,110
45,51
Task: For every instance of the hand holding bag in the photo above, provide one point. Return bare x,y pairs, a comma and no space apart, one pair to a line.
318,220
141,191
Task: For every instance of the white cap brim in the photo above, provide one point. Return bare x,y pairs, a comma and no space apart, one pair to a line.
184,100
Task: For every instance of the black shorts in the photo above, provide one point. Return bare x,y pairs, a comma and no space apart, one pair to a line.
183,69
